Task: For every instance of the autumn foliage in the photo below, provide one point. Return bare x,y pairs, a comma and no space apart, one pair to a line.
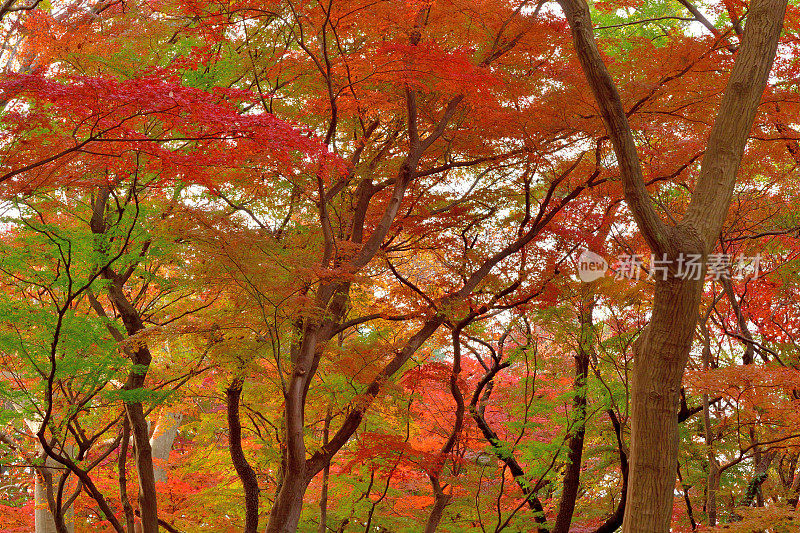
312,266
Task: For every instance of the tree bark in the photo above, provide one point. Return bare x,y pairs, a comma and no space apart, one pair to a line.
326,472
441,499
285,513
440,502
613,522
122,467
243,469
148,506
332,298
689,510
572,471
794,492
713,478
663,349
47,517
164,434
141,358
517,472
759,476
660,357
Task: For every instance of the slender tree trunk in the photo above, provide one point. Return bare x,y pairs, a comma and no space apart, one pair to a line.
285,514
613,522
794,491
243,469
480,394
326,472
441,500
712,488
689,510
759,476
713,478
744,330
323,501
141,358
148,506
122,467
572,472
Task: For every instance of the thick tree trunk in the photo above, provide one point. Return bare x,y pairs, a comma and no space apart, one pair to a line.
440,502
285,514
663,349
42,517
47,515
660,357
243,468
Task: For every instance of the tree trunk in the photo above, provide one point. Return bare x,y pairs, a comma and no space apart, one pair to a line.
47,516
164,434
660,357
141,359
663,349
759,476
299,471
713,478
285,514
572,472
498,447
440,502
688,501
148,506
613,522
243,468
712,488
794,491
122,467
48,519
326,472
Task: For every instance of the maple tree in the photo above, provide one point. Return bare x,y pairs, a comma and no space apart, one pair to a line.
310,266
